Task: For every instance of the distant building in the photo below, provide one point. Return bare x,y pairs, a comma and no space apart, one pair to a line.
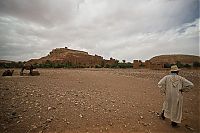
156,66
137,64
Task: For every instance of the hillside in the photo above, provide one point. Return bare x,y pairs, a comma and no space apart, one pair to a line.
72,57
185,59
6,61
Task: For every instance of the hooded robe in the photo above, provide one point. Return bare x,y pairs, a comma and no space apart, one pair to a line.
172,86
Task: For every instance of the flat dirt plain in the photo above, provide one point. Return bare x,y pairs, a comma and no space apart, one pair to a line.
92,101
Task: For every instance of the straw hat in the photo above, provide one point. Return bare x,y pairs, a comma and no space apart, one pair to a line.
174,68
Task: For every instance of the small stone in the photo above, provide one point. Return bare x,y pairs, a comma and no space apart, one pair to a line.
49,120
147,131
59,103
34,126
81,115
49,108
18,121
188,127
157,114
141,117
14,113
65,120
113,101
145,124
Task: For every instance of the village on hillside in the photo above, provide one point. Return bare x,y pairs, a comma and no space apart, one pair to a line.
69,58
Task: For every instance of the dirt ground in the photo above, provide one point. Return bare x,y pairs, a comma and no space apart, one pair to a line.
92,101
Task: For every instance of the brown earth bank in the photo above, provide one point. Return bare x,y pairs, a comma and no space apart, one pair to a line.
92,101
185,59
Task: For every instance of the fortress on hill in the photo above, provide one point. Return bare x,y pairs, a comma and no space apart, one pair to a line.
73,57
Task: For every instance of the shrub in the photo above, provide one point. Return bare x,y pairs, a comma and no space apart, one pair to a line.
179,64
187,66
196,64
107,66
167,65
98,66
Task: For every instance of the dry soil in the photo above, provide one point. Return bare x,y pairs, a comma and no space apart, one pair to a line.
92,101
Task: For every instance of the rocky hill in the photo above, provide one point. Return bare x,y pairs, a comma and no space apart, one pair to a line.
6,61
72,57
185,59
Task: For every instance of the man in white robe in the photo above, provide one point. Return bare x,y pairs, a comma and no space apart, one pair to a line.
172,86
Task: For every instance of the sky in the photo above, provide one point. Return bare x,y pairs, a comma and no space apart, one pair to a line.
121,29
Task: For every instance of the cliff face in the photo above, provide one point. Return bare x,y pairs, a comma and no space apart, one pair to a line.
75,57
185,59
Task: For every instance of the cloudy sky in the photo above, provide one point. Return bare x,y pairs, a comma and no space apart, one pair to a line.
122,29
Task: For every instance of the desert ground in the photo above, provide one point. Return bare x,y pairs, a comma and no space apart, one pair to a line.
92,101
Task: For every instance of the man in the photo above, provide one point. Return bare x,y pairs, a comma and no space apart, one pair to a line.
172,86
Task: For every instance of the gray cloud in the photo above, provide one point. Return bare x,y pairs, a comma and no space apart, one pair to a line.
122,29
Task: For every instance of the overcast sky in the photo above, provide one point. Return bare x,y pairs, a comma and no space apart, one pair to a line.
122,29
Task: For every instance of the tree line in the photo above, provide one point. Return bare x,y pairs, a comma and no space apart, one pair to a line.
117,64
183,65
49,64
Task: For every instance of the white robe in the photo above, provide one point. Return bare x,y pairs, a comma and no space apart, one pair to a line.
171,86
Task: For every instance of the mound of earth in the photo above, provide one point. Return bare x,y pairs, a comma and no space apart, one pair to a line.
185,59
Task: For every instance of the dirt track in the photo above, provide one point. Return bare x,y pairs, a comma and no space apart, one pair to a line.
91,100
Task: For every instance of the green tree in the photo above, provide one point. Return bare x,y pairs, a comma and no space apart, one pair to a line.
187,66
179,64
